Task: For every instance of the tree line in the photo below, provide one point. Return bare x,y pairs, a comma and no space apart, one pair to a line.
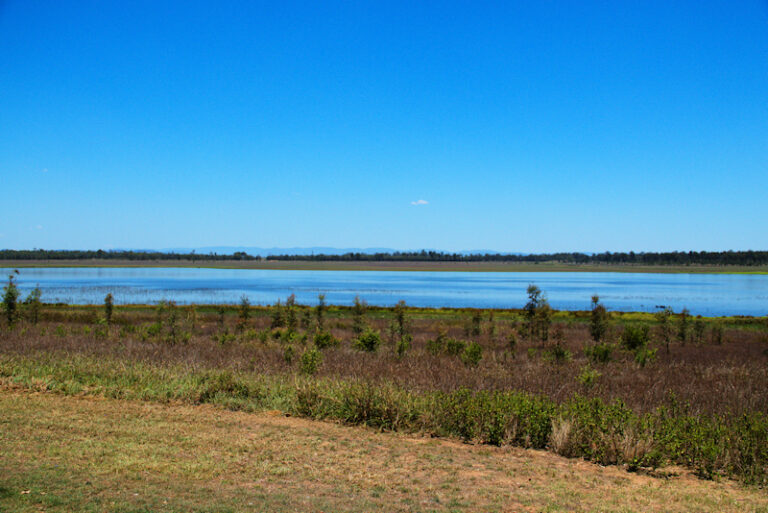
641,258
744,258
77,254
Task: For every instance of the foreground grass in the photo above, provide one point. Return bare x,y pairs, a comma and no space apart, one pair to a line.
301,265
608,433
63,453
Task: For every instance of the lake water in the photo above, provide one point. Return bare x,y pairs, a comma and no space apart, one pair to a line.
705,294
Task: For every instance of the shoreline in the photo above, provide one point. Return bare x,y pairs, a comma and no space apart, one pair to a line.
304,265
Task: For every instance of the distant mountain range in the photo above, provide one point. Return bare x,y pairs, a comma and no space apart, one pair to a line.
313,250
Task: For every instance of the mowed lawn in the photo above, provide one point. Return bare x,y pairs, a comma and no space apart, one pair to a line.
63,453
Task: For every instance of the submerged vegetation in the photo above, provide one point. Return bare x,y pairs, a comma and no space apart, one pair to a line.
589,384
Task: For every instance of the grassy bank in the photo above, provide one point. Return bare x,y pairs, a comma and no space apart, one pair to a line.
698,401
396,266
607,433
66,453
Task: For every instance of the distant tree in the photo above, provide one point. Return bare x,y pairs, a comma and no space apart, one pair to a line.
683,325
663,319
717,332
401,330
10,300
598,323
491,326
698,329
192,318
358,313
320,312
538,314
172,316
109,306
477,318
290,313
306,318
243,312
33,305
278,319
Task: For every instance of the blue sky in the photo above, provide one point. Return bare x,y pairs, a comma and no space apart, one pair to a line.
530,126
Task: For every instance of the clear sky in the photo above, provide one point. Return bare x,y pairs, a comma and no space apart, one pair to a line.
512,126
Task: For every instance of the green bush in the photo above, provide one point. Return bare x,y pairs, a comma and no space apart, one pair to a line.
599,353
310,361
403,345
436,346
588,376
634,336
512,341
369,341
454,347
222,384
33,305
10,300
557,354
644,356
289,353
495,417
324,339
472,354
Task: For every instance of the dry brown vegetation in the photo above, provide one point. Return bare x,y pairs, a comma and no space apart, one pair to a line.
727,378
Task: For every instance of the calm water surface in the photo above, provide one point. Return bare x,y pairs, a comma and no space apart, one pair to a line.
705,294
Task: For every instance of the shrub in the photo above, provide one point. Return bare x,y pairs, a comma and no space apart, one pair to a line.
310,361
33,305
225,338
324,339
698,329
109,306
221,383
717,333
288,354
477,317
244,312
403,345
278,319
154,329
10,300
538,314
320,311
598,322
512,341
358,313
436,346
290,317
683,326
557,354
588,376
599,353
491,326
454,347
665,327
644,356
369,340
472,354
634,336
